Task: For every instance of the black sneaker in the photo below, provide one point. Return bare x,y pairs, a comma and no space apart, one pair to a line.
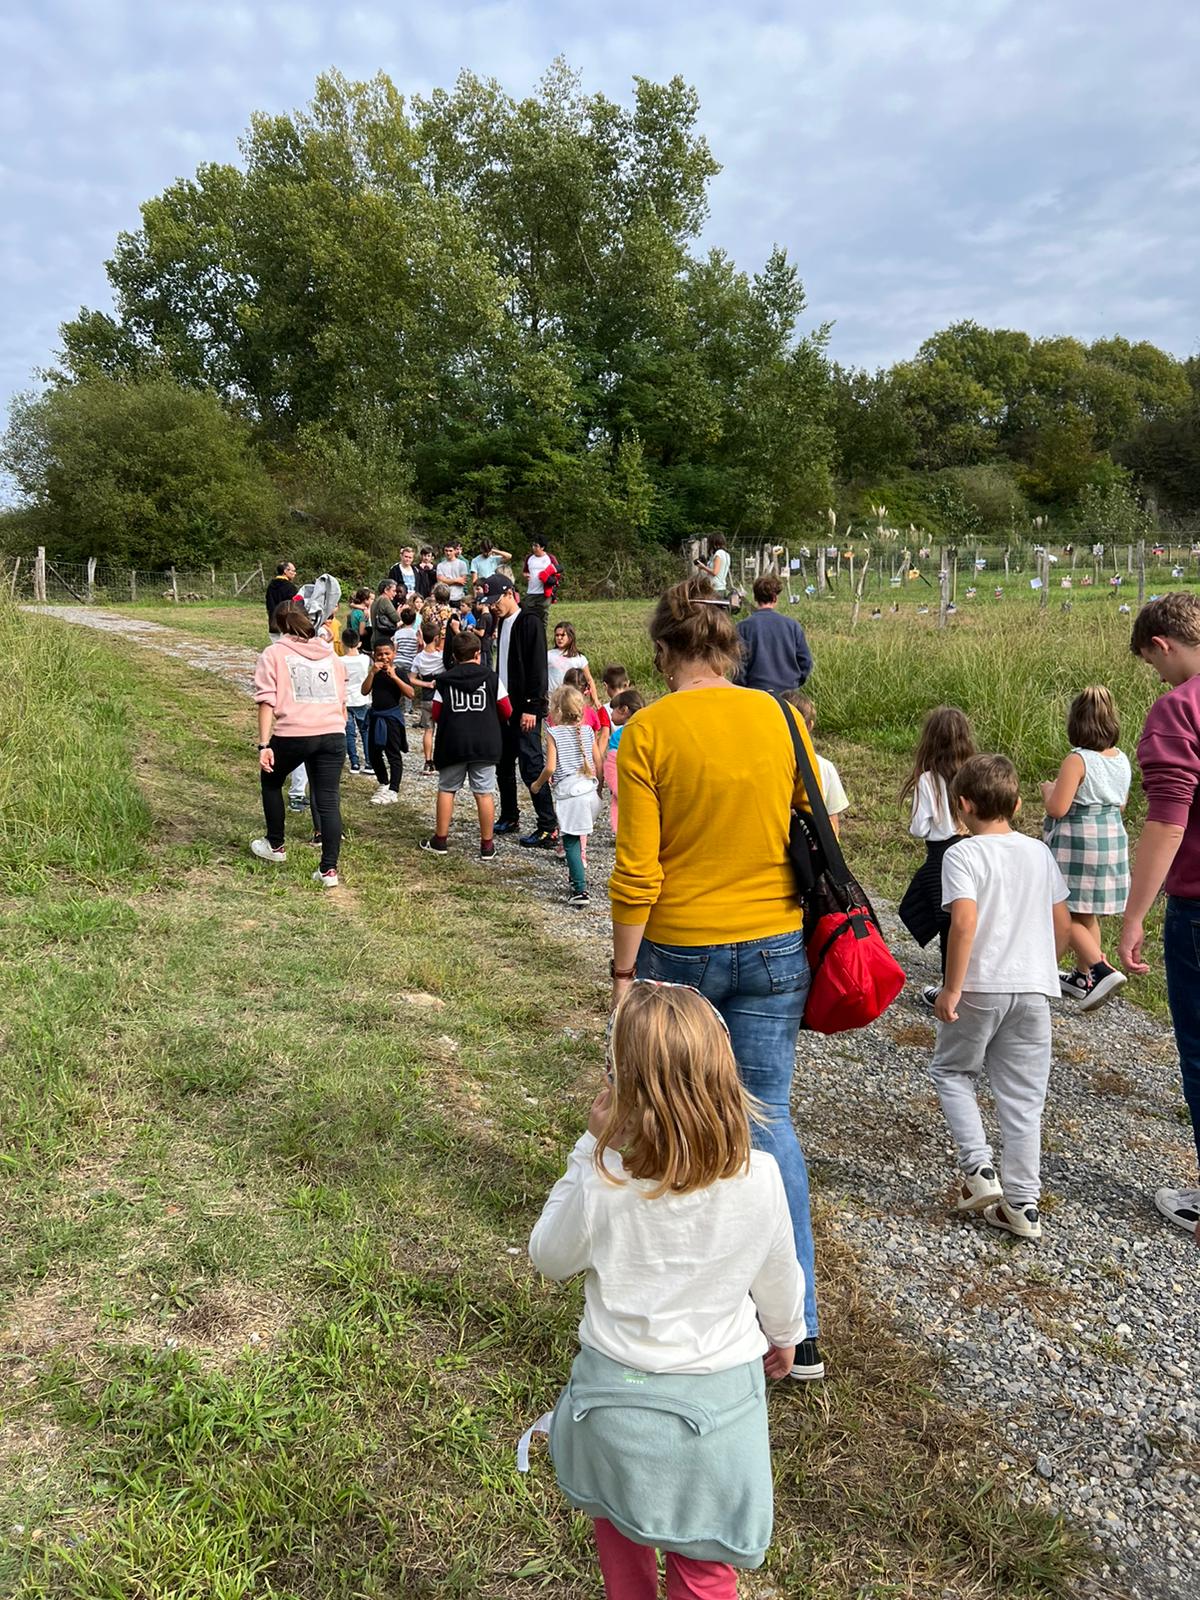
1103,982
1074,985
428,768
930,993
579,897
316,839
440,847
808,1366
507,827
543,839
487,851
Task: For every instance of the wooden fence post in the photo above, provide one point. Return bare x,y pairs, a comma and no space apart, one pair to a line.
90,591
133,585
39,576
943,587
13,586
212,578
174,586
1141,572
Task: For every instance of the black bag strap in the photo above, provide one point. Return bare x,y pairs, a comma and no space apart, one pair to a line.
835,861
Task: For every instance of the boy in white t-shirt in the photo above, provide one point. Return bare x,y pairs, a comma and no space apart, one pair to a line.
833,791
357,703
1009,923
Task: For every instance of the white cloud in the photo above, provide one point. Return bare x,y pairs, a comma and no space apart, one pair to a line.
922,160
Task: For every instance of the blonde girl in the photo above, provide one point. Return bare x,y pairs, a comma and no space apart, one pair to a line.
1085,831
684,1235
570,771
946,741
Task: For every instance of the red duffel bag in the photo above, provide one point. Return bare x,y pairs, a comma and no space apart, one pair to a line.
855,977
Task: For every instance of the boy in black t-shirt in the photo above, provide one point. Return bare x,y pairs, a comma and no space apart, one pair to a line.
389,688
469,705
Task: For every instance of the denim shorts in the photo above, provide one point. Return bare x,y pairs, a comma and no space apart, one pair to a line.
482,775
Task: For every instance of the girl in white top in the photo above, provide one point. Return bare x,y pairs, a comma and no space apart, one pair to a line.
717,565
570,771
684,1237
946,741
563,656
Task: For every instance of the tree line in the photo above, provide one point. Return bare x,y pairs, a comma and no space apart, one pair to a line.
479,317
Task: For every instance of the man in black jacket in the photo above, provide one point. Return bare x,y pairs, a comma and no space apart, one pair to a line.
280,590
521,665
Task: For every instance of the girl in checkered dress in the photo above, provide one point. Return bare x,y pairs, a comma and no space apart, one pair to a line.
1086,834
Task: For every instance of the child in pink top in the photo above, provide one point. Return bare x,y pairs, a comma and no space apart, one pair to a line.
300,687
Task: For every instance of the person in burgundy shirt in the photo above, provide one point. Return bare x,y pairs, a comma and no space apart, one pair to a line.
1166,634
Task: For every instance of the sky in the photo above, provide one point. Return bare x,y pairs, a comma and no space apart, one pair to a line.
1027,166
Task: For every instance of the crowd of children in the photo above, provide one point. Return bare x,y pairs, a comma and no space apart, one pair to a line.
693,1293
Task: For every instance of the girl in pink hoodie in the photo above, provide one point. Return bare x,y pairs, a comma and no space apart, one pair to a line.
300,687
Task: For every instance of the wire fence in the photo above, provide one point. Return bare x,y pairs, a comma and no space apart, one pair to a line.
812,570
50,582
806,570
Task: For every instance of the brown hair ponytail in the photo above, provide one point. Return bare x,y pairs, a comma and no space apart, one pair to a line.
691,624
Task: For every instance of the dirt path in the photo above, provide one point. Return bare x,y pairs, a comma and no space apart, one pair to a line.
1085,1350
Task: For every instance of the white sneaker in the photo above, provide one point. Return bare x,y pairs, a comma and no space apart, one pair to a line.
1024,1223
265,851
328,880
978,1190
389,797
1180,1206
364,772
380,795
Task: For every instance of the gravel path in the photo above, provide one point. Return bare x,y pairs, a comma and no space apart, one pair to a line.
1084,1349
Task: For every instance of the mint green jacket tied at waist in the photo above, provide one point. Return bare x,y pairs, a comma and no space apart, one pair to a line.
681,1461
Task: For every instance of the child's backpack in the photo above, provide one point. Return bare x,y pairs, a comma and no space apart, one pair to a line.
320,598
551,579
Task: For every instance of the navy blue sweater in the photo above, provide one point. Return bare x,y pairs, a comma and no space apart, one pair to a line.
775,653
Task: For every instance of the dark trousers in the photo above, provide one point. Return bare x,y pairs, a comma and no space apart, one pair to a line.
323,756
1181,962
390,754
523,750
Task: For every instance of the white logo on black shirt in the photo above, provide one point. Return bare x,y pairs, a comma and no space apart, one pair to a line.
463,700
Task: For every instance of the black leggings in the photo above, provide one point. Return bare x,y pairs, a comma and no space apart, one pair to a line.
393,751
323,756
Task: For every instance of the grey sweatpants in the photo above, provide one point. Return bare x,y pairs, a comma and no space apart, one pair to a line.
1008,1037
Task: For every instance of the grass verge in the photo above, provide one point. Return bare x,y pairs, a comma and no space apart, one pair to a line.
270,1160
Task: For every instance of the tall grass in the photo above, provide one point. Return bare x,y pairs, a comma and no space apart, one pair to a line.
69,801
1013,671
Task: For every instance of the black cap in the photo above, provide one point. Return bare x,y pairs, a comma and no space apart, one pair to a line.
497,585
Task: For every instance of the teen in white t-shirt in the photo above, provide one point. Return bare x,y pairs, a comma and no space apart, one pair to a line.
537,564
453,572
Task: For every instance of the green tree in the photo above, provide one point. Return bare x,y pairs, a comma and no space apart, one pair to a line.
146,472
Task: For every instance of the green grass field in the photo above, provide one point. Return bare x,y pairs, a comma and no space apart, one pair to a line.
269,1162
1013,666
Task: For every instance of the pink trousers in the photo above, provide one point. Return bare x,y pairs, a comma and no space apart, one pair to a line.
631,1571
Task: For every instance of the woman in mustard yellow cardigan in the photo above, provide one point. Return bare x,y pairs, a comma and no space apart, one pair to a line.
703,892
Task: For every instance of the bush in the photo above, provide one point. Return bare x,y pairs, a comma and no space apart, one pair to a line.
140,472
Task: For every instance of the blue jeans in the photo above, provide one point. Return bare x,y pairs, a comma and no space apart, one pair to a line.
759,987
356,729
1181,958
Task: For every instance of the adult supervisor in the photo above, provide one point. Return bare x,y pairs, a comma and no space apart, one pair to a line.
1166,635
280,590
521,668
775,653
709,762
385,619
